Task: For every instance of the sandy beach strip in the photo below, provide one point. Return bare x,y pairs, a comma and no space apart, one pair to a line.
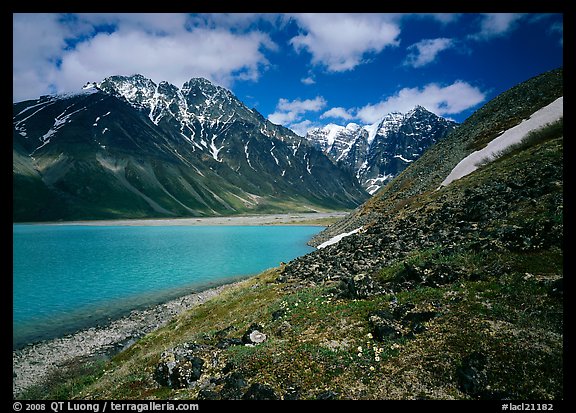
304,218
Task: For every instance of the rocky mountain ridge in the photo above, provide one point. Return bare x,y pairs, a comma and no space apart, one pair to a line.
378,152
128,148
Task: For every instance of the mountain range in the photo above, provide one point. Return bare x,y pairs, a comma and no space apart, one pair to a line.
129,148
378,152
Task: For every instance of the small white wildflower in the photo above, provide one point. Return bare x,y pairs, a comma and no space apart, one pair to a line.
360,349
369,335
377,358
371,368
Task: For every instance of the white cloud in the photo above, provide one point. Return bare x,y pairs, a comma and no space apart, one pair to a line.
338,112
558,28
302,128
425,51
55,53
340,42
496,24
301,106
290,113
215,54
308,80
441,100
38,42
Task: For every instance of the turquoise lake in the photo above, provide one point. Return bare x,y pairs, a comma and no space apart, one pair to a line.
67,277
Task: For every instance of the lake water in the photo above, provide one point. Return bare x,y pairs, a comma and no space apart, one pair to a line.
72,276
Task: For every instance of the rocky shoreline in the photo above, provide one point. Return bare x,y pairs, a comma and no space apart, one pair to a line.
33,364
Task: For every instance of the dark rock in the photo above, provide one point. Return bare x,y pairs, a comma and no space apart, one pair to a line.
417,328
400,310
228,367
359,286
220,334
556,288
227,342
278,314
207,394
418,317
178,369
233,387
259,391
472,377
282,278
383,326
327,395
292,393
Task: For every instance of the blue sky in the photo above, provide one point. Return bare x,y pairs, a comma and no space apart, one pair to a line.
299,70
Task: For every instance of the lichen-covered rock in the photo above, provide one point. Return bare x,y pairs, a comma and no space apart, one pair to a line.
472,377
383,326
358,286
254,335
178,368
259,391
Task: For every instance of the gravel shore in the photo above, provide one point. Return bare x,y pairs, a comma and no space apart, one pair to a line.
266,219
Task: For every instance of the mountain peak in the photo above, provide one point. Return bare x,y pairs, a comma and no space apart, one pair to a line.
200,83
418,110
380,151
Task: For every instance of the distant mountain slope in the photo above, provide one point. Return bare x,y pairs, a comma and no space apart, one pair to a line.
377,153
128,148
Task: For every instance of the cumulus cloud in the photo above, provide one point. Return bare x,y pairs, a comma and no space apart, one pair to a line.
68,51
338,112
290,113
425,51
441,100
308,80
215,54
340,42
302,128
496,24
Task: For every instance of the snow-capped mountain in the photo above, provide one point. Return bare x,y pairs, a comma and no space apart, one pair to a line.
128,147
377,153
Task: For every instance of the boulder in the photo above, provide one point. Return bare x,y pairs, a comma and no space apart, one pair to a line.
383,326
358,286
233,388
472,377
259,391
254,335
178,368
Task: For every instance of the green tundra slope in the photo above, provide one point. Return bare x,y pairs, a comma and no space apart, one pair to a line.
445,293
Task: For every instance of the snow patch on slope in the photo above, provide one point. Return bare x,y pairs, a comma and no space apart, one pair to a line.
548,114
338,238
